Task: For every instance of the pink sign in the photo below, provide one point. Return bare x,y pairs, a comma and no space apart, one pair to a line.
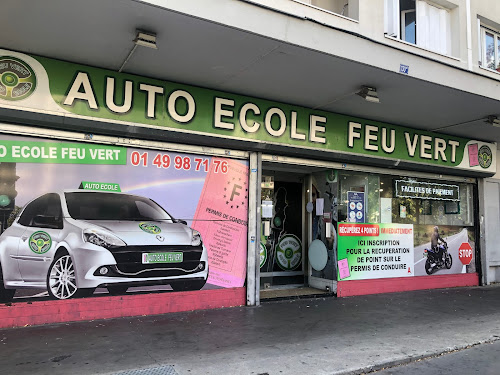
343,269
222,218
473,155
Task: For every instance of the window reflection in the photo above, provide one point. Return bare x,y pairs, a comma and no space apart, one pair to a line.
490,50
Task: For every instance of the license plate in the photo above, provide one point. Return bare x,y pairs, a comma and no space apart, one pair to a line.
173,257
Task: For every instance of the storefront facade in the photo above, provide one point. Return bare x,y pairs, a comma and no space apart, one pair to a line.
151,196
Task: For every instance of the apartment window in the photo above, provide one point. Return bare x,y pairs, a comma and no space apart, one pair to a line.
490,45
418,22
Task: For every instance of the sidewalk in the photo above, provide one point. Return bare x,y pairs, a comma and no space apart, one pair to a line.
310,336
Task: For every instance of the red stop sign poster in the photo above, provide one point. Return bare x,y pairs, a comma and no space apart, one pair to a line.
465,253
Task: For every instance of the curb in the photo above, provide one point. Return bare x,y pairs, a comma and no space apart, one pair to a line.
404,361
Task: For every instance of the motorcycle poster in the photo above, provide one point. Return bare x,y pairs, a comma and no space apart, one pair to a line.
375,250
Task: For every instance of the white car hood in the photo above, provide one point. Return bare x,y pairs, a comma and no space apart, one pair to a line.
161,234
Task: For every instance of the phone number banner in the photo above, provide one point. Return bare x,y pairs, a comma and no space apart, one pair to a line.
374,251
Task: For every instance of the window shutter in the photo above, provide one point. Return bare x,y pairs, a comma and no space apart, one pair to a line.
391,18
433,25
422,24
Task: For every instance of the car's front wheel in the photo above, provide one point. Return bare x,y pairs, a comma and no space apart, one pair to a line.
6,295
61,280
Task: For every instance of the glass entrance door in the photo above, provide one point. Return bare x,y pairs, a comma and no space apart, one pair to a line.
298,232
321,208
281,243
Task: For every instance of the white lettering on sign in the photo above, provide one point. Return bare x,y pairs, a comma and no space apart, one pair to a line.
224,113
73,153
425,146
371,136
428,147
110,96
389,149
243,117
439,149
172,109
220,112
151,98
293,131
314,128
282,122
411,145
454,145
104,154
81,82
35,152
353,133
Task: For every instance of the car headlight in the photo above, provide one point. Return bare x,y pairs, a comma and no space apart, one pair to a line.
196,239
102,238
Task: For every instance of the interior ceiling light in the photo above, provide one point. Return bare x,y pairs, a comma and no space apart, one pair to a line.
493,120
144,39
369,94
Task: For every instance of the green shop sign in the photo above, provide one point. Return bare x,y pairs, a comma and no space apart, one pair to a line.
61,153
92,93
100,186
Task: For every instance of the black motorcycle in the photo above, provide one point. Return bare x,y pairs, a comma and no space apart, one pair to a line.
438,258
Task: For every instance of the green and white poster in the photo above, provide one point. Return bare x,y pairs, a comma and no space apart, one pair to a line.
374,251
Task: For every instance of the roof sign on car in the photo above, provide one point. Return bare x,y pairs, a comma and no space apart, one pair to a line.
101,186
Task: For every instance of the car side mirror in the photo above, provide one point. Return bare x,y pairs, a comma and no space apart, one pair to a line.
182,222
45,221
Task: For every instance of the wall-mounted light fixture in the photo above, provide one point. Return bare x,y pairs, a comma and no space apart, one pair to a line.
145,39
369,94
493,120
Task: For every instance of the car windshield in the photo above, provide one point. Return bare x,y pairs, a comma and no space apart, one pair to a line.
107,206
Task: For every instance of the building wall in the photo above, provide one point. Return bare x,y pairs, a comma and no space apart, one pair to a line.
361,38
489,195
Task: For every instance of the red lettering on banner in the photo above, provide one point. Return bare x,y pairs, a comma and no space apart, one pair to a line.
358,230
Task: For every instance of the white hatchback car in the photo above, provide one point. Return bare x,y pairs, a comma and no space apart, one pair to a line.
72,242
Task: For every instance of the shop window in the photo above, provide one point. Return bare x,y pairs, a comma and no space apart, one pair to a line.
490,49
419,205
364,188
346,8
419,22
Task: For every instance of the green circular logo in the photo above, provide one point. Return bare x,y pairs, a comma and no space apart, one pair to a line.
150,228
289,252
263,254
17,79
40,242
485,156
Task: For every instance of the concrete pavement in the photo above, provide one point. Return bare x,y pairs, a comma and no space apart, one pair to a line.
308,336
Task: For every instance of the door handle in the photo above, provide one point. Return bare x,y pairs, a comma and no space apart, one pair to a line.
24,238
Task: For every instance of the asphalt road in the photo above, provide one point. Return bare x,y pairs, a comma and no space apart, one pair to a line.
481,359
454,243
